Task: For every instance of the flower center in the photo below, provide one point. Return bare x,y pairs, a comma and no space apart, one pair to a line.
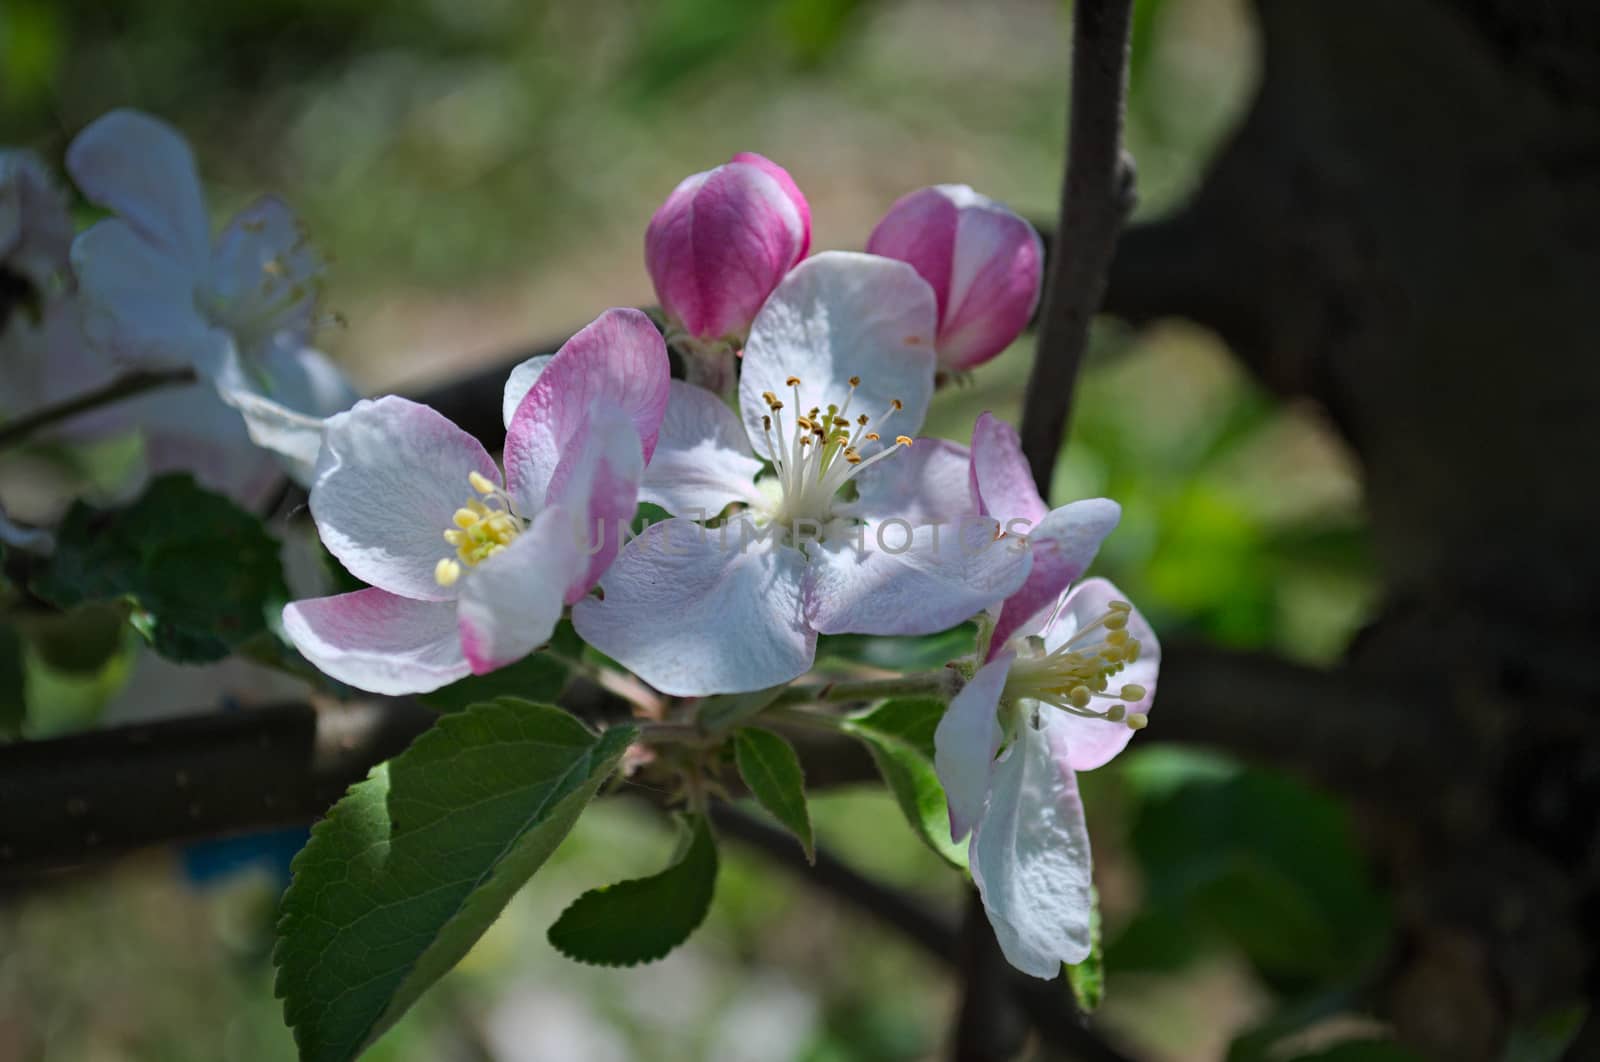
1078,672
254,314
483,527
820,451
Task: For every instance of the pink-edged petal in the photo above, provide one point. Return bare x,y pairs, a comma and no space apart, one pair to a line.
1064,544
702,462
926,484
790,189
965,742
379,642
510,603
390,476
1030,855
836,316
997,267
138,302
141,169
619,357
1092,743
882,581
1001,477
721,242
598,484
519,383
696,611
920,229
265,276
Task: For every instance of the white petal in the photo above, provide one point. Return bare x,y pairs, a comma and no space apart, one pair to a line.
926,484
141,168
190,429
965,742
510,603
139,302
265,276
306,388
519,383
840,315
702,462
692,613
1030,856
873,583
390,476
379,642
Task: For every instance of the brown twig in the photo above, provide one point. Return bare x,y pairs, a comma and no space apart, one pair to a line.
118,390
1096,196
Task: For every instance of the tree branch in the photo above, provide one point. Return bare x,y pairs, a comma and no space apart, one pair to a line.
118,390
1096,195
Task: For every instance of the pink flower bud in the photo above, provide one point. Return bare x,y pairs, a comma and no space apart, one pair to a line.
983,262
722,241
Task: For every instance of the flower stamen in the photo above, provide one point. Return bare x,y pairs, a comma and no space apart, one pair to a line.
483,527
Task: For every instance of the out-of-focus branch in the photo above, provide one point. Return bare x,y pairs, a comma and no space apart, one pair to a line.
1096,196
1046,1004
118,390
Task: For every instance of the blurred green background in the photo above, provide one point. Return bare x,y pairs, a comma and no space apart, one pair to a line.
481,172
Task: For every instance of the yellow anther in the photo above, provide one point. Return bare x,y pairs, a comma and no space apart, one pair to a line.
481,483
1117,637
1112,653
1133,692
464,518
840,422
855,381
446,572
853,457
1120,606
474,505
1133,650
896,405
793,381
775,406
804,422
1116,620
766,423
455,538
872,435
1079,696
1138,721
862,420
1116,713
902,440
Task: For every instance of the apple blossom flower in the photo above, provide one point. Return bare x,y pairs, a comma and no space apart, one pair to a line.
985,264
846,341
716,249
156,291
469,572
35,228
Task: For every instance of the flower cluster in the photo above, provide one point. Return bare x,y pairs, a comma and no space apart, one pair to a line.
799,498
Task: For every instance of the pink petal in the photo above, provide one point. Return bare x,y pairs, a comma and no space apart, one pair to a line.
1063,544
721,242
792,190
920,229
1001,477
1091,743
379,642
598,485
619,357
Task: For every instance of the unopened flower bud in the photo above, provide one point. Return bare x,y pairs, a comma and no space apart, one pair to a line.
722,241
983,261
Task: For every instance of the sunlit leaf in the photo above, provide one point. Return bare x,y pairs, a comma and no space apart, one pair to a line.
899,735
1088,978
771,768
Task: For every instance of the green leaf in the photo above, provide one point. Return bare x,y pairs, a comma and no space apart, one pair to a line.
899,653
899,735
202,571
729,709
78,642
1547,1037
771,768
1088,978
644,919
13,683
415,863
539,677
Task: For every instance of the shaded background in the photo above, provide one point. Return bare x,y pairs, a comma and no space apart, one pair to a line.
481,173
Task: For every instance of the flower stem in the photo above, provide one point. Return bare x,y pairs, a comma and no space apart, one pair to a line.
118,390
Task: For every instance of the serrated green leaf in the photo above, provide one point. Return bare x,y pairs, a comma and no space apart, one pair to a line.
1088,978
13,683
642,920
771,768
729,709
899,735
539,677
415,863
202,571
